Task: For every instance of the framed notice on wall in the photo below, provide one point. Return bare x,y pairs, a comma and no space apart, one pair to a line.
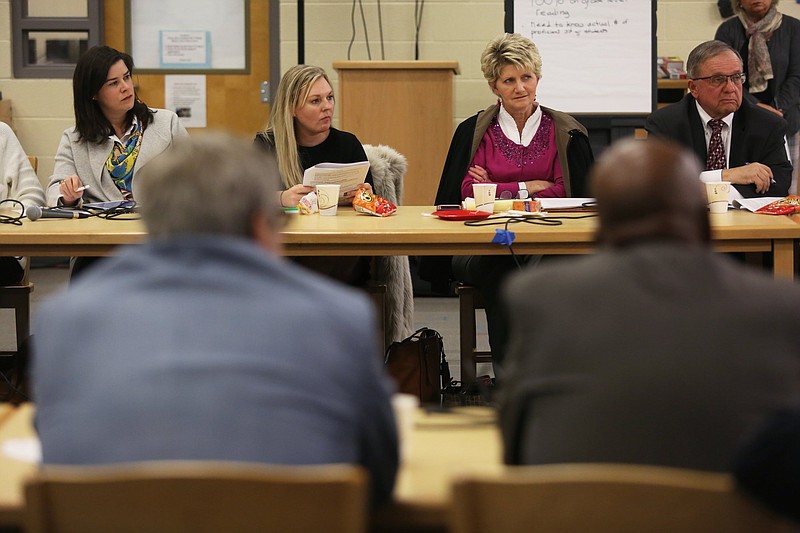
188,36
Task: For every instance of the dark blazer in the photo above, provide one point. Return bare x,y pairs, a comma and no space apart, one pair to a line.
757,136
658,353
784,52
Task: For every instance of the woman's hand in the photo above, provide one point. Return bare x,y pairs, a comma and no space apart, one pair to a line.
71,190
535,186
479,174
291,196
350,195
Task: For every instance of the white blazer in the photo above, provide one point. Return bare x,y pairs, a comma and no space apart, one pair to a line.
17,178
87,160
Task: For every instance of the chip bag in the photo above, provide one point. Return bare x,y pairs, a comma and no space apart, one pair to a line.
529,205
308,204
367,202
784,206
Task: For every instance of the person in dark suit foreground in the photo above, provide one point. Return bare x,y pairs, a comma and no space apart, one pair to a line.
752,148
655,350
203,344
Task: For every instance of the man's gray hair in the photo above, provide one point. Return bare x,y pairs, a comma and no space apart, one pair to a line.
705,51
210,183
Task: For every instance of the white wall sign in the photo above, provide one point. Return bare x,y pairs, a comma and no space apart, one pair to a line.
186,96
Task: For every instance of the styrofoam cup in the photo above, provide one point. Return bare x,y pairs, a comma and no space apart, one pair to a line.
328,199
484,196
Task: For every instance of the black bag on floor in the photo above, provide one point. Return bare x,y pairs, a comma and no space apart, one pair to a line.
418,365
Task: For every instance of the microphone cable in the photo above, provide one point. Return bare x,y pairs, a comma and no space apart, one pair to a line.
116,213
107,213
16,219
507,238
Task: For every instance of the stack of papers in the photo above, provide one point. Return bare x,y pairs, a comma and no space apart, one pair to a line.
347,175
556,204
753,204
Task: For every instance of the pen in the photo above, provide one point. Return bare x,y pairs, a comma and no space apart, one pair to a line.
82,188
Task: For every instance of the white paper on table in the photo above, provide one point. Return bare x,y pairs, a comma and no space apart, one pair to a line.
565,203
26,449
752,204
347,175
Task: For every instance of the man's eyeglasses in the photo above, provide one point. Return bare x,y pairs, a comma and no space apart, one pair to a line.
718,80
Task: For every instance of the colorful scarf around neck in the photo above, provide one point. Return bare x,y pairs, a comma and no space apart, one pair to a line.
759,64
122,159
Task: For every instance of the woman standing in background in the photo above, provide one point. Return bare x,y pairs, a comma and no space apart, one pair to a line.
769,43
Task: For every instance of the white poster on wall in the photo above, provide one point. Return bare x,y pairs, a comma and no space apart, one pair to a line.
186,96
597,55
211,34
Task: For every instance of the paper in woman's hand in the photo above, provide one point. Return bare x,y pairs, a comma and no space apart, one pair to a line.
347,175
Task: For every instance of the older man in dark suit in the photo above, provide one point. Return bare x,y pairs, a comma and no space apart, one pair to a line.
738,141
655,350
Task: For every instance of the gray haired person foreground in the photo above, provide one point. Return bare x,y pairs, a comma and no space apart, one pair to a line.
202,343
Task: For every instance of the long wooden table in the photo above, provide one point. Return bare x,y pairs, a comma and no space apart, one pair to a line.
442,445
408,232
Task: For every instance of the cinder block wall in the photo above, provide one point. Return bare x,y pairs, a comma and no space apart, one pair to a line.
458,30
449,30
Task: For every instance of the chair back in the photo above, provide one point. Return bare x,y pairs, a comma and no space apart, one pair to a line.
605,498
175,497
34,162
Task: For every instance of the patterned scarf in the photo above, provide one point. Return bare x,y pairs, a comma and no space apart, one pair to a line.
759,65
122,159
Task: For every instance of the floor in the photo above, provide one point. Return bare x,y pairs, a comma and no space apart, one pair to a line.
437,313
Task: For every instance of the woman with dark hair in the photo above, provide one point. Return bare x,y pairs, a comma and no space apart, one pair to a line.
115,133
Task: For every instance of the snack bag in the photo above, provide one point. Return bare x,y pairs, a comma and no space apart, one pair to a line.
308,204
367,202
529,205
784,206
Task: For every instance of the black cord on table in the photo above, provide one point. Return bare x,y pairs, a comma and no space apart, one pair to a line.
507,220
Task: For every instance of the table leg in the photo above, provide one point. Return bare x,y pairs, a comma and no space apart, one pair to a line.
783,258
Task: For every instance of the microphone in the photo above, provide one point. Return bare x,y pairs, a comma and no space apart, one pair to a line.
35,212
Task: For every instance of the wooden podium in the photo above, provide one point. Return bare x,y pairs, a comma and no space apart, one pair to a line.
407,105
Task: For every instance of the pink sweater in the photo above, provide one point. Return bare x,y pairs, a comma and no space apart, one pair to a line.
508,163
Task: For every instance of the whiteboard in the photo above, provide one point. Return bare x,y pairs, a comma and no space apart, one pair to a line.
598,56
223,26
